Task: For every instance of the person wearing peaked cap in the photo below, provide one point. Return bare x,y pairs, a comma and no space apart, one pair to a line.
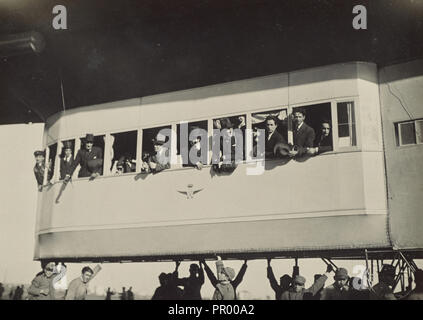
39,168
66,160
339,290
226,282
383,289
90,158
298,291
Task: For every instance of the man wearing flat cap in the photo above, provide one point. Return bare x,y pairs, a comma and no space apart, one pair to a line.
39,168
297,291
383,290
339,290
90,158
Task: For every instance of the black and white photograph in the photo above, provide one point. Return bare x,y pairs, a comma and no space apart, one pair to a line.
213,150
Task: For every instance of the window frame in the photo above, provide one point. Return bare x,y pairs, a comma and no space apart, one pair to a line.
417,131
248,139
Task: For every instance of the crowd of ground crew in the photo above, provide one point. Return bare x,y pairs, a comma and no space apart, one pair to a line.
226,281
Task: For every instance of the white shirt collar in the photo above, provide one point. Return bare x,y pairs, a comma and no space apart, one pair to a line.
298,128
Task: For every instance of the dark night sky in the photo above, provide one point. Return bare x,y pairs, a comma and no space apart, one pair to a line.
125,49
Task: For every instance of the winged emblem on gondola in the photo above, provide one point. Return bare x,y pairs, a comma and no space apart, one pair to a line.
189,192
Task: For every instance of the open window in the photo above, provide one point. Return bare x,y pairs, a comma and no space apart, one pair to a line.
66,157
124,145
156,146
409,132
228,139
51,159
319,118
192,144
347,136
99,142
269,123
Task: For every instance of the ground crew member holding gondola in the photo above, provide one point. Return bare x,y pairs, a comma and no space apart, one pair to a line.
284,282
339,290
192,285
78,288
297,291
225,275
383,290
42,287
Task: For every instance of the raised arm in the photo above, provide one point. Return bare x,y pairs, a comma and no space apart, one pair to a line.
240,275
272,280
320,282
75,163
210,274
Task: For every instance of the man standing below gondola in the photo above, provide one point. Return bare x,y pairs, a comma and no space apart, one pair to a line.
90,158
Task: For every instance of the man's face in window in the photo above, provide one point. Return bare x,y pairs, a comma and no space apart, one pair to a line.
68,152
325,129
270,126
298,118
89,145
157,147
39,159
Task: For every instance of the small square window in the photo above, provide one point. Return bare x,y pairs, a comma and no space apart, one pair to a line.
407,133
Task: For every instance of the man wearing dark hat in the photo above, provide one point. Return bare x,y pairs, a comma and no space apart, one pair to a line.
339,290
284,282
297,291
90,158
39,169
161,158
226,282
66,160
383,290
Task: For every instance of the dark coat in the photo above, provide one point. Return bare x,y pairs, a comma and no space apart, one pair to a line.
304,137
274,284
65,167
192,286
270,143
314,289
323,143
162,162
39,174
82,158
